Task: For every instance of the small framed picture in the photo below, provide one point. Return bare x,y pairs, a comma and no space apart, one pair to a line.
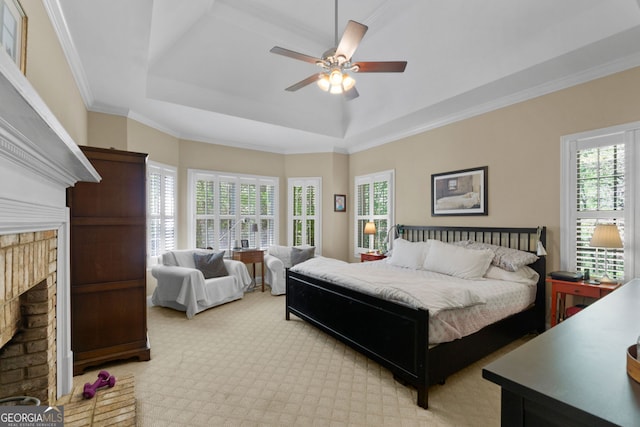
244,243
339,203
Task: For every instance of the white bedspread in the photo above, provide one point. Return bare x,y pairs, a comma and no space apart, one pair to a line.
457,307
395,284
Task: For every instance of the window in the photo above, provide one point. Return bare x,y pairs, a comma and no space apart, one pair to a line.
374,202
304,212
161,209
224,207
599,188
13,23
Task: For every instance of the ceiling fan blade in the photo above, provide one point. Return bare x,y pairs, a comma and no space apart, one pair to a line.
351,38
351,94
295,55
381,67
303,83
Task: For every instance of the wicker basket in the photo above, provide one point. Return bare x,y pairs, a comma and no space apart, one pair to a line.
633,364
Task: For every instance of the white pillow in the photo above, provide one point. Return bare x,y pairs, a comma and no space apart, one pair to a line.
505,258
457,261
408,254
526,275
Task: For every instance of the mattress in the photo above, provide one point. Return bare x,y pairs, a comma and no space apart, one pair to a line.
457,307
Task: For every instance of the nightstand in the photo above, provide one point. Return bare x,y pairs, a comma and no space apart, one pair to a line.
560,288
371,257
251,256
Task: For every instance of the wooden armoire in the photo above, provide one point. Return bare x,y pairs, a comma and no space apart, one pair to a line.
108,261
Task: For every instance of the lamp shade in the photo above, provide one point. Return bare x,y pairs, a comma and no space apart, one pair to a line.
370,228
254,228
606,236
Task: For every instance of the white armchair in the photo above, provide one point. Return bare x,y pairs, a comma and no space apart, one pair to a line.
182,286
278,259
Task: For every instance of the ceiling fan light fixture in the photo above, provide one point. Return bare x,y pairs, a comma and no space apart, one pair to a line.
335,77
336,89
348,82
336,82
323,83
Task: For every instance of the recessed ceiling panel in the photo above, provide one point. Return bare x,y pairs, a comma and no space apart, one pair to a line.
208,61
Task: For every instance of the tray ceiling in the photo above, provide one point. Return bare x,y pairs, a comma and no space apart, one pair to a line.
202,70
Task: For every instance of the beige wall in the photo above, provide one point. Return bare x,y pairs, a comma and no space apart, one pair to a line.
107,131
50,75
521,146
161,147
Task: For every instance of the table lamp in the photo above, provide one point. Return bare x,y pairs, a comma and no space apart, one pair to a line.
254,230
606,236
370,229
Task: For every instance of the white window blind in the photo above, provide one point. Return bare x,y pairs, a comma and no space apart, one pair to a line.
304,212
600,198
268,225
600,187
224,207
161,209
374,202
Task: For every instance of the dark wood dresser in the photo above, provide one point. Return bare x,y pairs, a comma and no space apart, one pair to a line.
108,261
575,374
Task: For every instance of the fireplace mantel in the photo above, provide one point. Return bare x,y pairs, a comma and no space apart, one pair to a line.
32,137
38,161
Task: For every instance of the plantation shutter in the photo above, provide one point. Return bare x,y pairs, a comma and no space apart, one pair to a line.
161,210
205,219
304,212
169,199
224,207
154,221
600,198
267,225
374,202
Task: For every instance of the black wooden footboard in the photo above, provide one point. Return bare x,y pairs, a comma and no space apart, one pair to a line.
393,335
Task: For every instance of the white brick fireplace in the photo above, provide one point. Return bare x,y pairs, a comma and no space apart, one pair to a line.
38,162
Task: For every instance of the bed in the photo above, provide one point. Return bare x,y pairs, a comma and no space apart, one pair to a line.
464,201
396,334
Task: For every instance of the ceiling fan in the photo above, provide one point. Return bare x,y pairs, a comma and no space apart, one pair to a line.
336,63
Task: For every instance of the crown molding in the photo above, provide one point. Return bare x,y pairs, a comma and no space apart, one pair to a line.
32,137
61,29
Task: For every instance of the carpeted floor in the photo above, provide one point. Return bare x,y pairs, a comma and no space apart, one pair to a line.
242,364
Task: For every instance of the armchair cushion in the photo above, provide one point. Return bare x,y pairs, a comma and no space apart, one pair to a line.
211,265
299,255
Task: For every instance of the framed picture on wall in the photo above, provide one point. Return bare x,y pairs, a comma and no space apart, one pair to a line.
13,32
462,192
339,203
244,243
